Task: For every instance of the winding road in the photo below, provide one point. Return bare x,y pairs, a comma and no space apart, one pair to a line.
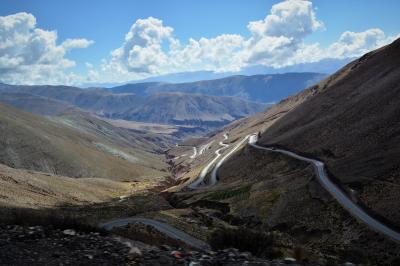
162,227
214,173
320,172
200,179
335,191
205,147
194,155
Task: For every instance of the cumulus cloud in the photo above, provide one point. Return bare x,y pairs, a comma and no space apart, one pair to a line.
272,41
150,47
142,49
31,55
351,44
208,54
292,19
281,33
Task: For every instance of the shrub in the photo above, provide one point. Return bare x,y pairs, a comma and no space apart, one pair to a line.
258,243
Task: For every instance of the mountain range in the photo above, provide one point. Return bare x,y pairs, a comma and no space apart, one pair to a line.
261,88
205,104
327,66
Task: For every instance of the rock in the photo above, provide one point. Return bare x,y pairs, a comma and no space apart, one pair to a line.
135,251
193,253
205,257
165,247
289,260
69,232
90,257
177,254
245,255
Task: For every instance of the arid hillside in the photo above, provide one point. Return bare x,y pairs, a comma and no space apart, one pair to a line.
78,145
31,189
353,125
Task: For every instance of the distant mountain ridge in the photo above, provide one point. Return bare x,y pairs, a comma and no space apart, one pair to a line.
326,66
191,109
260,88
96,100
194,110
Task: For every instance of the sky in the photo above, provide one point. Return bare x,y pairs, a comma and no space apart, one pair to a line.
77,42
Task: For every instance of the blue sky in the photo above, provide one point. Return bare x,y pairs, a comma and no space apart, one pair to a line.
104,25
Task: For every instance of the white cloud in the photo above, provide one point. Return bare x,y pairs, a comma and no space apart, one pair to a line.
76,43
273,40
217,54
30,55
277,37
351,44
292,18
142,49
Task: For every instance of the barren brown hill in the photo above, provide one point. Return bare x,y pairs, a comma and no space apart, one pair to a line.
78,145
31,189
353,125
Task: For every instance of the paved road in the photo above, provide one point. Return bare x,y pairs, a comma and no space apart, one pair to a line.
214,173
200,179
180,156
194,153
205,147
336,192
162,227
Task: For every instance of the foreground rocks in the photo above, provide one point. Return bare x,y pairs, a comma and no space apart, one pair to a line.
48,246
193,258
45,246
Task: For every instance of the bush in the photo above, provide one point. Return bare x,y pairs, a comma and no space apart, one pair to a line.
258,243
